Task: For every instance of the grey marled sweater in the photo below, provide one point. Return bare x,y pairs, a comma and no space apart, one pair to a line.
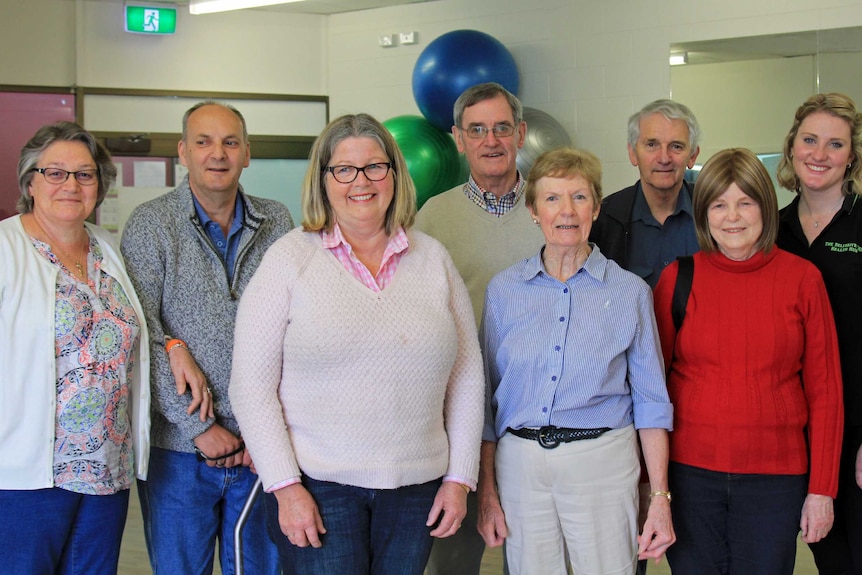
186,293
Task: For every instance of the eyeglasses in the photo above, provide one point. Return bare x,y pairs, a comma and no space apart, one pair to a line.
58,176
347,174
479,132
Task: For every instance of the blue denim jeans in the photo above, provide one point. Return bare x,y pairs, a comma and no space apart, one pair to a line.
187,506
734,524
368,531
57,532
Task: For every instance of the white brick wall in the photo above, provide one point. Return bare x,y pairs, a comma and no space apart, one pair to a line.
588,63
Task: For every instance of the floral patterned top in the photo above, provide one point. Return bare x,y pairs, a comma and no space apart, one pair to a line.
96,334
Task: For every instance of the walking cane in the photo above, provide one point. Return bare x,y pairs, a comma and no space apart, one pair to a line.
240,523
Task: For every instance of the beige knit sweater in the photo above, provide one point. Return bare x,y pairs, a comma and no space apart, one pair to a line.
377,390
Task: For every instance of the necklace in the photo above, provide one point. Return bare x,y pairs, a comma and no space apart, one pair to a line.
829,214
77,262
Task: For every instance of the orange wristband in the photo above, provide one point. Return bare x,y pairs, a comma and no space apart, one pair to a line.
172,343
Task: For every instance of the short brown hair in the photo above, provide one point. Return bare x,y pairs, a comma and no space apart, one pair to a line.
741,167
565,163
482,92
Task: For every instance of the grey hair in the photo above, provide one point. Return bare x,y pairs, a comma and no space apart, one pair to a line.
670,110
487,91
62,132
200,105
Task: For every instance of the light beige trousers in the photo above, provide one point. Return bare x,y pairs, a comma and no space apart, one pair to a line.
581,496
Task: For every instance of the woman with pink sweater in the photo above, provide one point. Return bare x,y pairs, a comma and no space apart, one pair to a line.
357,377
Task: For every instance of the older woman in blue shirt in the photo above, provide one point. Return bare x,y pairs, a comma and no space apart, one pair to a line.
573,368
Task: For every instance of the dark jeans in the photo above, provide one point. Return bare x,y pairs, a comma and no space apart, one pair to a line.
840,552
189,507
368,531
57,532
734,524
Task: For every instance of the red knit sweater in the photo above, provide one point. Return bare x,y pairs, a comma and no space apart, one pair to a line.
755,361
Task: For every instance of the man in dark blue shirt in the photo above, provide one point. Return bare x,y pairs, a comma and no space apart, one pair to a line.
648,225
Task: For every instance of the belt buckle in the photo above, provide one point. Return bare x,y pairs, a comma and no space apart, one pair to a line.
546,438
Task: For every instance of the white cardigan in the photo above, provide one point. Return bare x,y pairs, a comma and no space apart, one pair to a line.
28,392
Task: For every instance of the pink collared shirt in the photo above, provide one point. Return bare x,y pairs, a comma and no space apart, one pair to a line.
334,241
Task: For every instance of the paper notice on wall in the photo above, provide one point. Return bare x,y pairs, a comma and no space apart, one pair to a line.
107,215
150,174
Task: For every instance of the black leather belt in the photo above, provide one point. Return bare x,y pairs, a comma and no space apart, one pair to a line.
550,436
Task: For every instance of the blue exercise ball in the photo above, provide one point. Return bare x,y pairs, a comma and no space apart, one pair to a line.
452,63
430,153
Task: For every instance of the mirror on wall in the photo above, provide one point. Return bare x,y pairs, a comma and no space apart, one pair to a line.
744,91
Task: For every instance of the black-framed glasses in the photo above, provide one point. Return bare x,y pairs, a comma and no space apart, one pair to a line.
480,132
347,174
58,176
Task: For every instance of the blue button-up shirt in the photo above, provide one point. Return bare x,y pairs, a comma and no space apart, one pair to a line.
653,246
582,353
226,247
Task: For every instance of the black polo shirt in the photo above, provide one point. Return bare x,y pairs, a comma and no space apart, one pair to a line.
837,253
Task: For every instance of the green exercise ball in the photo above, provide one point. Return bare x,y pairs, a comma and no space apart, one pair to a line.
431,155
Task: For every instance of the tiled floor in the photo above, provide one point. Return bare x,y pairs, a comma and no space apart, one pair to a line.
133,556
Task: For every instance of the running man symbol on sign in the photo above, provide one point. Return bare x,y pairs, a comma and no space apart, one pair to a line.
151,20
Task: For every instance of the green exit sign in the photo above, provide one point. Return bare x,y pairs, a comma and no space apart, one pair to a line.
151,19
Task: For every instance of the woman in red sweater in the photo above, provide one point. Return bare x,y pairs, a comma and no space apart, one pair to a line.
755,379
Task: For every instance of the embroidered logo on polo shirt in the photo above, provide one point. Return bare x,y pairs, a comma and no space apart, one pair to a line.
851,247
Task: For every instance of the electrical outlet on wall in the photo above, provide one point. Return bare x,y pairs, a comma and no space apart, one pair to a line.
387,40
407,38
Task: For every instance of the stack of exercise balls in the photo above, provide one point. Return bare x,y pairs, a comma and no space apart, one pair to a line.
446,67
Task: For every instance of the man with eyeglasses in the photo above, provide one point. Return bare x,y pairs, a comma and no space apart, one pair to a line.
190,254
486,228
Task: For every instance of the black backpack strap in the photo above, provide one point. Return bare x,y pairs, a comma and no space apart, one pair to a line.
684,277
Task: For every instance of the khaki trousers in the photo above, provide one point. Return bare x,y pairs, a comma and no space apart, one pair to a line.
581,496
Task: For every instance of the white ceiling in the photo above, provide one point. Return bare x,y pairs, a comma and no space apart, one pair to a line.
338,6
307,7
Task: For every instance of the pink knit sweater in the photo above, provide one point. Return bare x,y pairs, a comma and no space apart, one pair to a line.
377,390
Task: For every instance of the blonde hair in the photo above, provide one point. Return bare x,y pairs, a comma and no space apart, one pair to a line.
840,106
317,213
